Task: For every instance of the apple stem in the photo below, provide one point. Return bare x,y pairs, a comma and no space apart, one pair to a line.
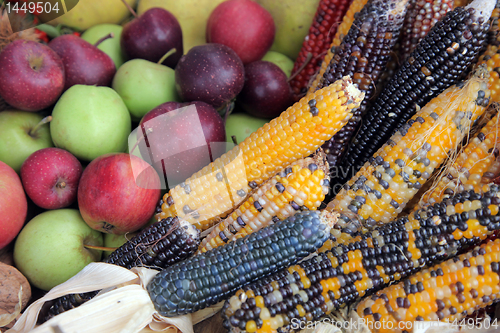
108,36
166,55
308,59
148,131
44,121
61,185
100,248
233,137
130,9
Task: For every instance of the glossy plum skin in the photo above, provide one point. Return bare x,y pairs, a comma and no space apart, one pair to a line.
31,75
178,134
210,73
266,92
83,62
244,26
151,36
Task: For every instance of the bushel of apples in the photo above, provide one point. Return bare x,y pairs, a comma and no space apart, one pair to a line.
97,127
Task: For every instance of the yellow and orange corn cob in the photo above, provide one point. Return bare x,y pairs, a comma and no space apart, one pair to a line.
303,185
385,184
471,165
421,17
324,27
342,30
298,132
446,292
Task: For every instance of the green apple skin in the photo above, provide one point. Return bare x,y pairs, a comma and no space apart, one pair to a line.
291,29
115,241
280,60
143,85
242,125
90,121
50,248
16,142
110,46
191,14
88,13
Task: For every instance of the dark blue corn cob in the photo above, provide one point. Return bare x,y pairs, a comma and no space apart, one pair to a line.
440,60
213,276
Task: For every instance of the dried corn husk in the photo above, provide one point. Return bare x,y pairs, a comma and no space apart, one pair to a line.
122,306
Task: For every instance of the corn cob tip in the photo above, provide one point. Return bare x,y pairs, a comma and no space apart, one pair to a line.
329,218
352,91
484,8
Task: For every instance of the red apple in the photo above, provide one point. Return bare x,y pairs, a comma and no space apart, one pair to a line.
13,204
31,75
181,140
243,25
50,177
118,193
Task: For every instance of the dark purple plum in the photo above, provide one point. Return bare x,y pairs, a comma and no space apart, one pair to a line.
266,92
211,73
173,143
151,36
83,62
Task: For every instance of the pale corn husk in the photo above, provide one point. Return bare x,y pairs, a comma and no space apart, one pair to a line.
122,306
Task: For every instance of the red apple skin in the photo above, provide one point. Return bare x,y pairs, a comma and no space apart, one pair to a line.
31,75
13,205
50,177
243,25
109,198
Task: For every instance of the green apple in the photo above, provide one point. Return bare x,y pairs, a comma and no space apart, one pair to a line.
191,14
90,121
110,46
88,13
21,134
143,85
280,60
242,125
50,249
115,241
291,29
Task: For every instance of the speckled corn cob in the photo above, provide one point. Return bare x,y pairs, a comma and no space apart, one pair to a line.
342,30
446,292
159,245
208,278
363,55
301,186
324,27
421,17
471,165
439,61
385,184
298,132
342,276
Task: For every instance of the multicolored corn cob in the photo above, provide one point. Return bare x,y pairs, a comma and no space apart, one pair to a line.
446,292
340,277
421,17
470,167
301,186
298,132
324,27
439,61
342,30
162,244
492,60
208,278
383,187
363,55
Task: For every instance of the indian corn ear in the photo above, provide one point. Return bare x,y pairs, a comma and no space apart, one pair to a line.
446,292
301,186
298,132
339,277
438,62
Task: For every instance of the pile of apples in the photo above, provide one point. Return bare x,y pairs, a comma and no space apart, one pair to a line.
70,162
